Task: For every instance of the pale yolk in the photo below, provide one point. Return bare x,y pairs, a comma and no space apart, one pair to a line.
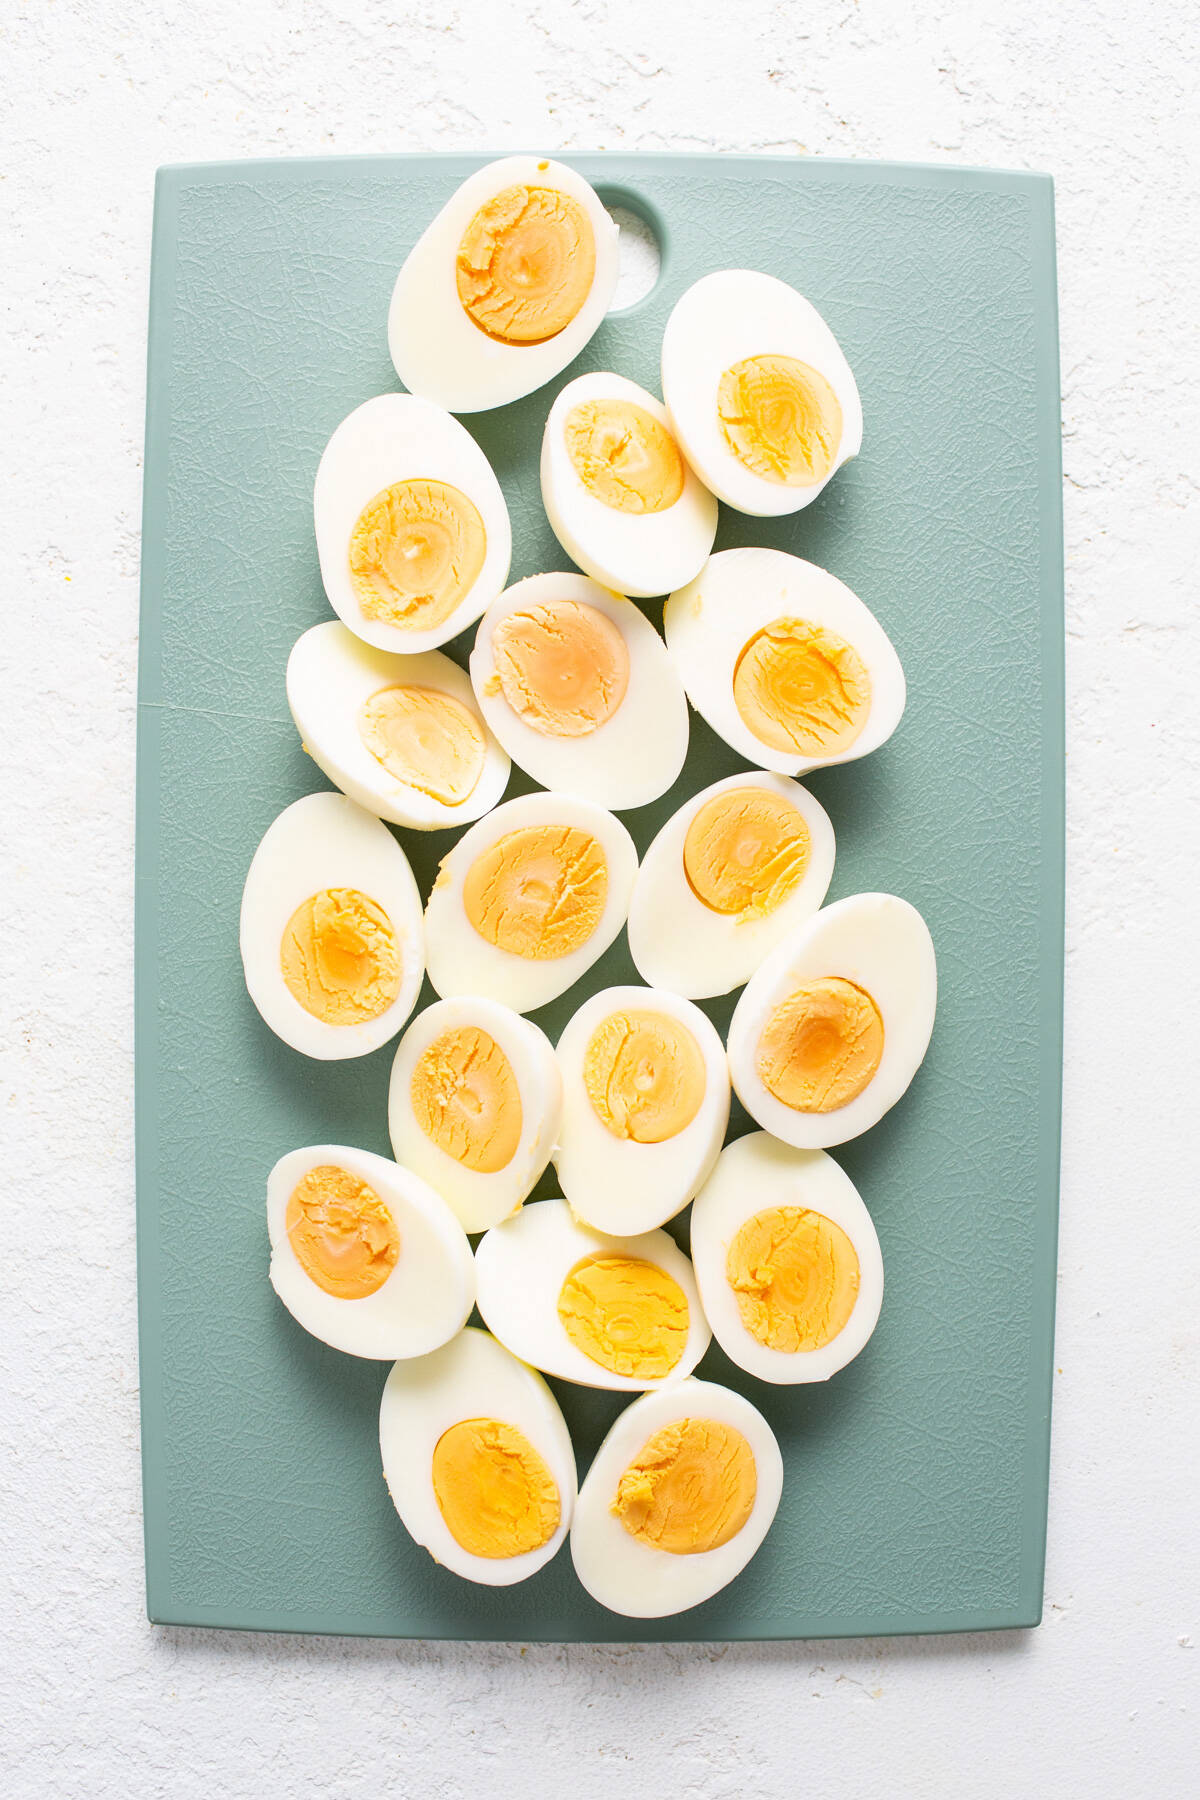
494,1490
745,851
644,1075
781,419
821,1046
343,1235
563,667
339,957
416,552
800,688
466,1099
624,456
538,892
795,1274
627,1315
690,1488
426,740
525,264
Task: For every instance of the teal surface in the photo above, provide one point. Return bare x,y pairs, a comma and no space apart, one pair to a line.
915,1488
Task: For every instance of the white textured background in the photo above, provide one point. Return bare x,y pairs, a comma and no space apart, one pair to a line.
1103,1698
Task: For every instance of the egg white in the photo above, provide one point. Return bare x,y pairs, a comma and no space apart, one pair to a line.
437,348
326,841
471,1377
399,437
635,755
881,944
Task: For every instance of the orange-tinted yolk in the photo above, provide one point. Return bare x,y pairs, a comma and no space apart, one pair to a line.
425,739
343,1235
525,264
493,1489
538,892
800,688
745,851
416,552
563,667
624,456
821,1046
644,1075
466,1099
795,1274
781,419
625,1314
339,957
690,1488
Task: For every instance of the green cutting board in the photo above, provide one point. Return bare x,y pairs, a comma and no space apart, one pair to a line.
915,1485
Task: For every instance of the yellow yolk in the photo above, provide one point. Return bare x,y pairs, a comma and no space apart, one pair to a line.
627,1315
644,1076
344,1237
795,1274
426,739
525,264
415,553
562,667
745,851
800,688
466,1099
538,892
821,1046
624,456
494,1490
781,419
340,958
690,1488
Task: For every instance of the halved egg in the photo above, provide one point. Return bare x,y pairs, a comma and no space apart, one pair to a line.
607,1312
645,1106
412,529
477,1459
760,396
784,662
474,1105
401,735
729,875
365,1255
505,287
621,499
577,685
680,1495
787,1259
527,900
331,933
831,1030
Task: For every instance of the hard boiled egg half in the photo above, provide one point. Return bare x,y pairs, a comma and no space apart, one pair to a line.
365,1255
505,287
331,933
645,1106
681,1494
607,1312
474,1105
401,735
412,530
729,875
527,900
788,1260
621,499
784,662
759,393
577,685
831,1030
477,1459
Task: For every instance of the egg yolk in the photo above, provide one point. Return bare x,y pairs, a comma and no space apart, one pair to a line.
562,667
416,552
821,1046
644,1075
425,739
625,1314
795,1274
466,1099
494,1490
624,456
689,1489
339,957
745,851
344,1237
538,892
781,419
800,688
525,264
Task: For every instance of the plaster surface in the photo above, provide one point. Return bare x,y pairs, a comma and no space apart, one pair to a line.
1103,1697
